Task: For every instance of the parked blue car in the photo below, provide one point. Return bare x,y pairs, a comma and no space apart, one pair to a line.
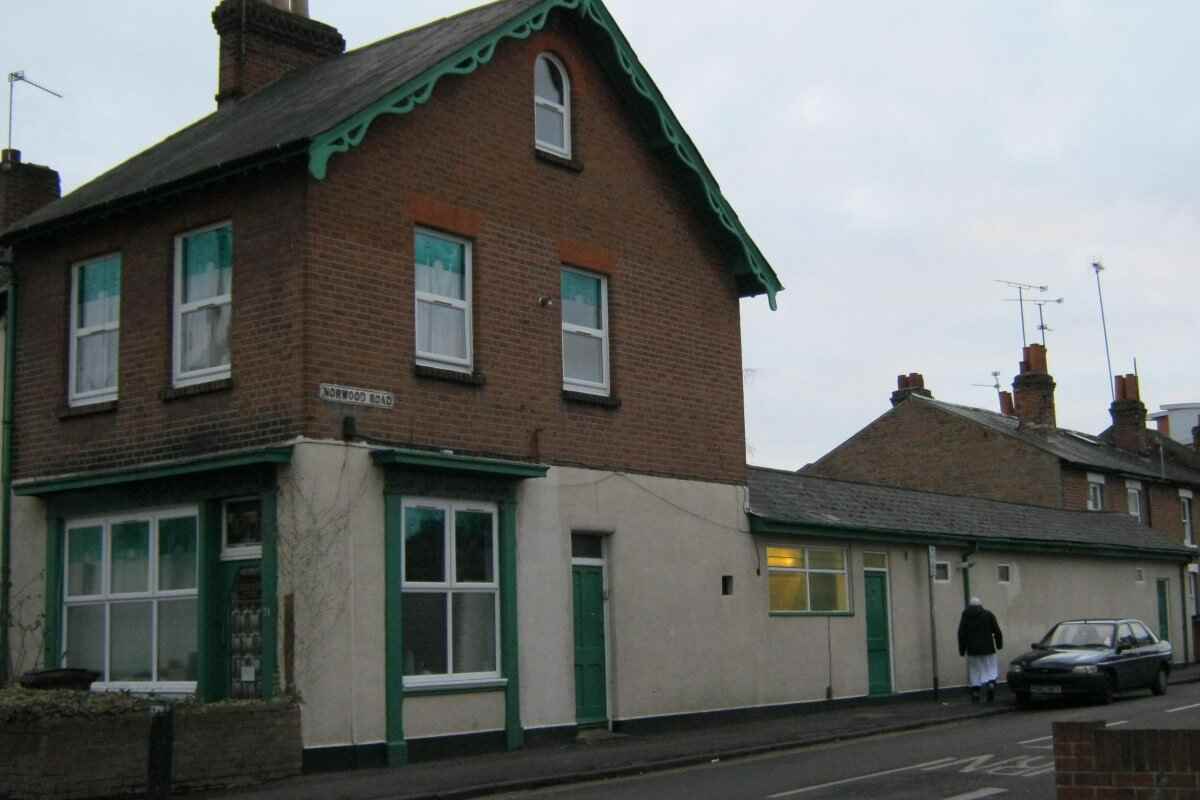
1091,657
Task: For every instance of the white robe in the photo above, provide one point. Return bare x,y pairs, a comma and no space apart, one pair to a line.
982,669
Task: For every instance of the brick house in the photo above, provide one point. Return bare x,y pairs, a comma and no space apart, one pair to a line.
1020,455
311,392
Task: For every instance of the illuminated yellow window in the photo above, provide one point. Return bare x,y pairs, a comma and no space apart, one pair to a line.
808,580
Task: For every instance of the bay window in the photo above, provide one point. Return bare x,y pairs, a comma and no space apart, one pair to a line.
443,301
130,599
203,305
808,580
451,610
95,330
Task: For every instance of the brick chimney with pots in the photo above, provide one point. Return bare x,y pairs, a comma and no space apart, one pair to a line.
24,188
1006,404
912,383
1033,389
1129,416
261,41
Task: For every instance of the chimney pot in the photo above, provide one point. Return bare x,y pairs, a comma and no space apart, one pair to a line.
1006,404
1128,415
912,383
1033,389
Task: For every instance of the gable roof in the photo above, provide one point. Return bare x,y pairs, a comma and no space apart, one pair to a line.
327,108
1081,449
792,502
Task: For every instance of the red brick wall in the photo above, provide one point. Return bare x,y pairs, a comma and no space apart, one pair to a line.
24,188
675,349
263,405
1092,763
918,446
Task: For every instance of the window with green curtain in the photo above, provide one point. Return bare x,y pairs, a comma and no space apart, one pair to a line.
95,330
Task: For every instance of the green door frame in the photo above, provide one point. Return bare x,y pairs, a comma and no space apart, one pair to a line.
1163,590
590,711
878,684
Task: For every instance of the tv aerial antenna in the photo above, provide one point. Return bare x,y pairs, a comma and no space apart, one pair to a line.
1041,305
995,384
1022,288
13,79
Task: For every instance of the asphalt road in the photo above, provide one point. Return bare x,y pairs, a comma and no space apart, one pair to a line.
1007,755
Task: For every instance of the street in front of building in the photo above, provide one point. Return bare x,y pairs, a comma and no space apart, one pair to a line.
1005,756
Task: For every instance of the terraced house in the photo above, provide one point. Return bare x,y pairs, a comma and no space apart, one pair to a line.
403,379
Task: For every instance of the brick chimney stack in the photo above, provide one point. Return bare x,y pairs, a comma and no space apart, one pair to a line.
1033,389
1129,416
912,383
1006,404
263,40
24,188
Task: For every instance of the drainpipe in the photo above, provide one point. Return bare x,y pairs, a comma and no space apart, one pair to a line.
933,621
10,348
1184,620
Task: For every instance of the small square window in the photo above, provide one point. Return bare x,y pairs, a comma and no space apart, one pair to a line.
1003,573
1095,497
877,561
1139,575
586,545
242,533
941,572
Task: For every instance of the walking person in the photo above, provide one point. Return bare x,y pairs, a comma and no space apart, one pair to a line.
979,638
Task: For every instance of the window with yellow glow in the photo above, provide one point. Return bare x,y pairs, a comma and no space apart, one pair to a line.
808,580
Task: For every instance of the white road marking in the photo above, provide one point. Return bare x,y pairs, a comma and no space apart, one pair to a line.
1039,739
1183,708
978,793
1115,724
792,792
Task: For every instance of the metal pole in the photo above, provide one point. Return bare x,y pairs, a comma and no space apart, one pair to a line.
1042,324
1098,267
932,622
12,78
1021,303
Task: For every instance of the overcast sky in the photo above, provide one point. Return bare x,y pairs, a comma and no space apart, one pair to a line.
891,160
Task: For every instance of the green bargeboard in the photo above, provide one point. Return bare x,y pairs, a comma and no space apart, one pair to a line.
591,705
879,669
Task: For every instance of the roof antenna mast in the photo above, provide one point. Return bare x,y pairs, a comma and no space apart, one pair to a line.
13,79
1020,300
1098,267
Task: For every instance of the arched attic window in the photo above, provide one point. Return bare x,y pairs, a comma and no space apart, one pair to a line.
551,106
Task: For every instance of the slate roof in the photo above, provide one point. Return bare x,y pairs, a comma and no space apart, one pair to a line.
285,114
804,500
1081,448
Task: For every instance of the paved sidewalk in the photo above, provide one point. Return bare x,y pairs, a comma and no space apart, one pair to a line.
609,756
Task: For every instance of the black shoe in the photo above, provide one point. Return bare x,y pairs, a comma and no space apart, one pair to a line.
974,695
991,694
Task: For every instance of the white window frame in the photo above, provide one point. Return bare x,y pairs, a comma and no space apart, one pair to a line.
949,572
1004,573
241,552
107,598
1133,489
1187,517
438,360
564,108
1095,481
75,398
604,388
207,374
807,570
450,586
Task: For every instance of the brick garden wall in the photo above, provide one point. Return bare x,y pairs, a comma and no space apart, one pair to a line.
106,756
1094,763
918,446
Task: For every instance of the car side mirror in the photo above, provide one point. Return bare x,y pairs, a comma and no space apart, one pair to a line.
1125,644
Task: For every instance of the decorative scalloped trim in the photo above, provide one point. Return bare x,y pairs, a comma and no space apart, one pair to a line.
417,91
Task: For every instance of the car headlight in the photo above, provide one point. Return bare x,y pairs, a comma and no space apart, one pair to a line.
1014,668
1088,668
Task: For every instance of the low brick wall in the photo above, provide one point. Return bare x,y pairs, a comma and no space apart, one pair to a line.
216,747
1092,762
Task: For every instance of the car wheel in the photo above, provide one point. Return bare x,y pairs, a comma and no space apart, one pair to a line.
1021,699
1160,681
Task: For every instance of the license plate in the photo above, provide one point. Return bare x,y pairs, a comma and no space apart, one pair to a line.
1046,689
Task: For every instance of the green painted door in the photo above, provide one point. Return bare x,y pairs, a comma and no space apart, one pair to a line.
879,661
1164,629
591,692
237,666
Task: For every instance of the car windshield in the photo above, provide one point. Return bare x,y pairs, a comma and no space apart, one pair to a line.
1080,634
